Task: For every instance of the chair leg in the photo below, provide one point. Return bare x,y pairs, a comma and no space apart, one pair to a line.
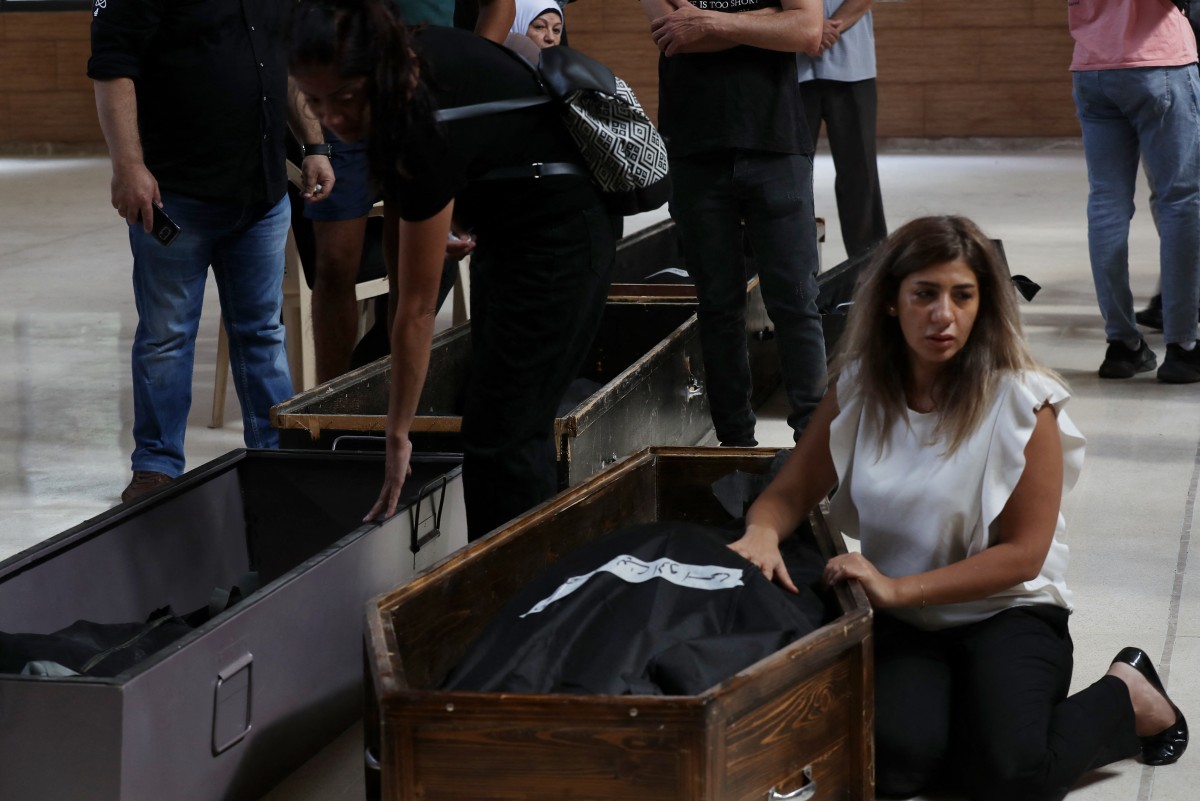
221,379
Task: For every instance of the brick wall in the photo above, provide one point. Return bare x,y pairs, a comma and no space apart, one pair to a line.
949,68
946,68
45,94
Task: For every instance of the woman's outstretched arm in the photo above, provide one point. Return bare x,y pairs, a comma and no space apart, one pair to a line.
806,478
414,252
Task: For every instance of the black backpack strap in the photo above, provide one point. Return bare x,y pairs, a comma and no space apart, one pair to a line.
492,107
499,106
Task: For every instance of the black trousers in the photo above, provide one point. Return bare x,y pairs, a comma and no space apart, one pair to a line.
715,197
537,296
848,109
983,709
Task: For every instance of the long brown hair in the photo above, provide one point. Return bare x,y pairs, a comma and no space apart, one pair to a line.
875,342
367,38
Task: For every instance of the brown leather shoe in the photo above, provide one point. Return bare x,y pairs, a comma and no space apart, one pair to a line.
143,481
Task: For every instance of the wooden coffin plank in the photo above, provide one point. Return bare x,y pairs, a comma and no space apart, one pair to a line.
356,402
659,399
645,357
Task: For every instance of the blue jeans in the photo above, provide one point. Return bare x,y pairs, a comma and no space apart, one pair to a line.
245,248
1152,113
771,194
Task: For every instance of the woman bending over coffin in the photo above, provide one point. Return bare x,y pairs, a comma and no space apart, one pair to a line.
539,274
950,451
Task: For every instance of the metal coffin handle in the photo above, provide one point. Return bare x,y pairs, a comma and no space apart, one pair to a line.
694,389
360,438
809,790
435,491
232,707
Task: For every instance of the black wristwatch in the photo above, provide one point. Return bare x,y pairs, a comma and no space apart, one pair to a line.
319,149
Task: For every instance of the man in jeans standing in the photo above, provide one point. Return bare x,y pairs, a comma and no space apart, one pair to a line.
1136,93
193,100
741,155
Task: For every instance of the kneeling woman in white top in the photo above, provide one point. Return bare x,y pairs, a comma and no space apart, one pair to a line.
950,451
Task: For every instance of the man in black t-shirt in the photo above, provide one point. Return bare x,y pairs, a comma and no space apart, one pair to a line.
741,160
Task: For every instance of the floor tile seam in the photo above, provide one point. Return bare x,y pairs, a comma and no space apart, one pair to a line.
1146,784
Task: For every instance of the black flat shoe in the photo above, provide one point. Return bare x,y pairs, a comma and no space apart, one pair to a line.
1168,745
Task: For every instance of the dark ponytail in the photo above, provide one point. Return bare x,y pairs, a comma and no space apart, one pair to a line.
368,38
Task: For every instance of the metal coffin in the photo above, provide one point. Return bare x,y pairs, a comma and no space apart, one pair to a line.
642,383
800,721
232,707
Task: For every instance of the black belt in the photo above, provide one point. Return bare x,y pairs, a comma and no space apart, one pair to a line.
536,170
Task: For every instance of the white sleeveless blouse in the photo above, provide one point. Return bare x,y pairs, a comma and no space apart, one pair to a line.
914,509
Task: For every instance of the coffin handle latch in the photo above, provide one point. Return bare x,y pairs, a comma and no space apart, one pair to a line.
435,491
694,388
809,790
232,703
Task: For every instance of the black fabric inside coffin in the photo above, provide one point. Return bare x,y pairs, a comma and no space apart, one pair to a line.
293,509
614,636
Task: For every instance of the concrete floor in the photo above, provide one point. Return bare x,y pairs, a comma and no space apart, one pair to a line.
67,319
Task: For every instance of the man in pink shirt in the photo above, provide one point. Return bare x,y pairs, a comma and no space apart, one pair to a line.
1137,91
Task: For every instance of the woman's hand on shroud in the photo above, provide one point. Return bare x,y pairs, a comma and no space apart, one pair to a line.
761,548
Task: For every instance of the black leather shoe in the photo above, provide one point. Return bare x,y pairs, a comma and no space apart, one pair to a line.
1169,744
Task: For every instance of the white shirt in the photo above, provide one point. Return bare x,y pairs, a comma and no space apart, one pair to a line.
915,510
852,57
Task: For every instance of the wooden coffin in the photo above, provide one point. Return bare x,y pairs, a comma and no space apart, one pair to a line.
645,361
800,721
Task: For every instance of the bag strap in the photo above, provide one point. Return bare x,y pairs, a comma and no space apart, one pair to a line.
491,107
560,72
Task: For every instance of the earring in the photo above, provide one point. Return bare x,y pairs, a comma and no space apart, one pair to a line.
891,309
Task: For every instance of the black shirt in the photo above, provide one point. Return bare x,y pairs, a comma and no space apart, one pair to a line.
744,97
211,82
464,69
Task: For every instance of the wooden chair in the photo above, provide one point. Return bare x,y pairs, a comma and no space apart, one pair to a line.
297,314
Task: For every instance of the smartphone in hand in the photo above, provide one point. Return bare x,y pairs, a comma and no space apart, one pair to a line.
164,229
